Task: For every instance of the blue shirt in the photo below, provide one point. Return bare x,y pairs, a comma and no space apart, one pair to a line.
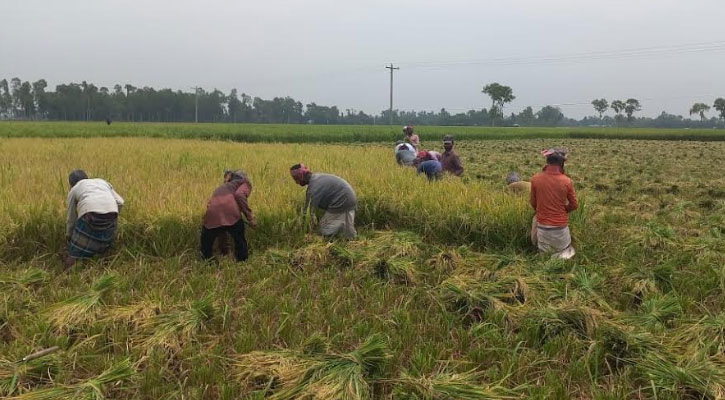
431,168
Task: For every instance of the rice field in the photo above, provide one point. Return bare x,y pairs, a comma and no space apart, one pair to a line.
251,133
440,296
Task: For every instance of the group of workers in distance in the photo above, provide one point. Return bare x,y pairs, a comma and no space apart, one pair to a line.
429,162
94,205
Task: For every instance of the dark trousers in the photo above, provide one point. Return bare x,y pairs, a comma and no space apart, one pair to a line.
236,231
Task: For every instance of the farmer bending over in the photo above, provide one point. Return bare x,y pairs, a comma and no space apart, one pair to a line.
333,195
404,153
516,185
426,155
450,161
224,215
553,198
93,208
431,168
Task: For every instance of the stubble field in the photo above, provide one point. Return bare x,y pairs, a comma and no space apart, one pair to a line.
440,297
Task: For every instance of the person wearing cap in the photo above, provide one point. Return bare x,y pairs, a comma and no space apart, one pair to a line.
516,185
450,161
431,168
93,207
553,198
411,136
224,212
332,194
404,153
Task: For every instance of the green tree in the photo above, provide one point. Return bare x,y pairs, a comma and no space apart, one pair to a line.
234,106
25,100
549,116
526,117
630,107
40,97
6,100
15,85
601,106
720,107
701,109
617,106
500,95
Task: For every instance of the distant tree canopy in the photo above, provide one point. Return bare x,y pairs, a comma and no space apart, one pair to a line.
601,106
86,102
700,109
719,105
500,95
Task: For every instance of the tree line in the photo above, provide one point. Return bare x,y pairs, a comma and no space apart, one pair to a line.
87,102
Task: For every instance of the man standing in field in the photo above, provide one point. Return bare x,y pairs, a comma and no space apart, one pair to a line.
412,137
553,198
93,208
224,212
333,195
404,153
450,161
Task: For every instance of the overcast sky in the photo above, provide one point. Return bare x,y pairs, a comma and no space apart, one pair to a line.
333,52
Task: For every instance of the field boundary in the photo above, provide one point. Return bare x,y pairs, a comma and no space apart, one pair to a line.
281,133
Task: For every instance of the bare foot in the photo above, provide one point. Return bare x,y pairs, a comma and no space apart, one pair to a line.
68,261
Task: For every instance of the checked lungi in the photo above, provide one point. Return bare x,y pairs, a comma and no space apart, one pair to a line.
552,239
93,234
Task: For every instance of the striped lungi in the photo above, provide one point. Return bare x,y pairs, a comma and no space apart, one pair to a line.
552,239
93,234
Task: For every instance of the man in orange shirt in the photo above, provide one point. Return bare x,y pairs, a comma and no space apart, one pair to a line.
553,198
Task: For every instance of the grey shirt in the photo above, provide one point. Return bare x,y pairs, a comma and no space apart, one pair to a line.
330,193
405,157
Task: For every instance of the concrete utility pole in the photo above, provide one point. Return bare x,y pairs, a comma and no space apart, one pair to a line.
391,68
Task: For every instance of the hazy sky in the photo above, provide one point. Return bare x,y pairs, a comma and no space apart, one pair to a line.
333,52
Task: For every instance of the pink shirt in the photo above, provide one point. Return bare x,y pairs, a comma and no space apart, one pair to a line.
228,204
414,140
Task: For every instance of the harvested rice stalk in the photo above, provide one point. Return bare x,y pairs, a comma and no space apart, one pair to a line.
81,308
446,260
344,256
24,278
707,333
449,385
398,270
89,389
621,343
315,255
656,312
14,376
396,244
295,375
696,377
134,314
473,297
170,331
541,324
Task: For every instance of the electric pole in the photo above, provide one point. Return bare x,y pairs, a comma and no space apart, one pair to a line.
391,68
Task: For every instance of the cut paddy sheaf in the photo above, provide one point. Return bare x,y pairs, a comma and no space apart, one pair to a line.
441,285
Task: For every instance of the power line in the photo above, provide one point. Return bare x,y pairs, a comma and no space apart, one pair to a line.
578,57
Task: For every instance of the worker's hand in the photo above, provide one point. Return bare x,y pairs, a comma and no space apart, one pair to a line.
253,223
